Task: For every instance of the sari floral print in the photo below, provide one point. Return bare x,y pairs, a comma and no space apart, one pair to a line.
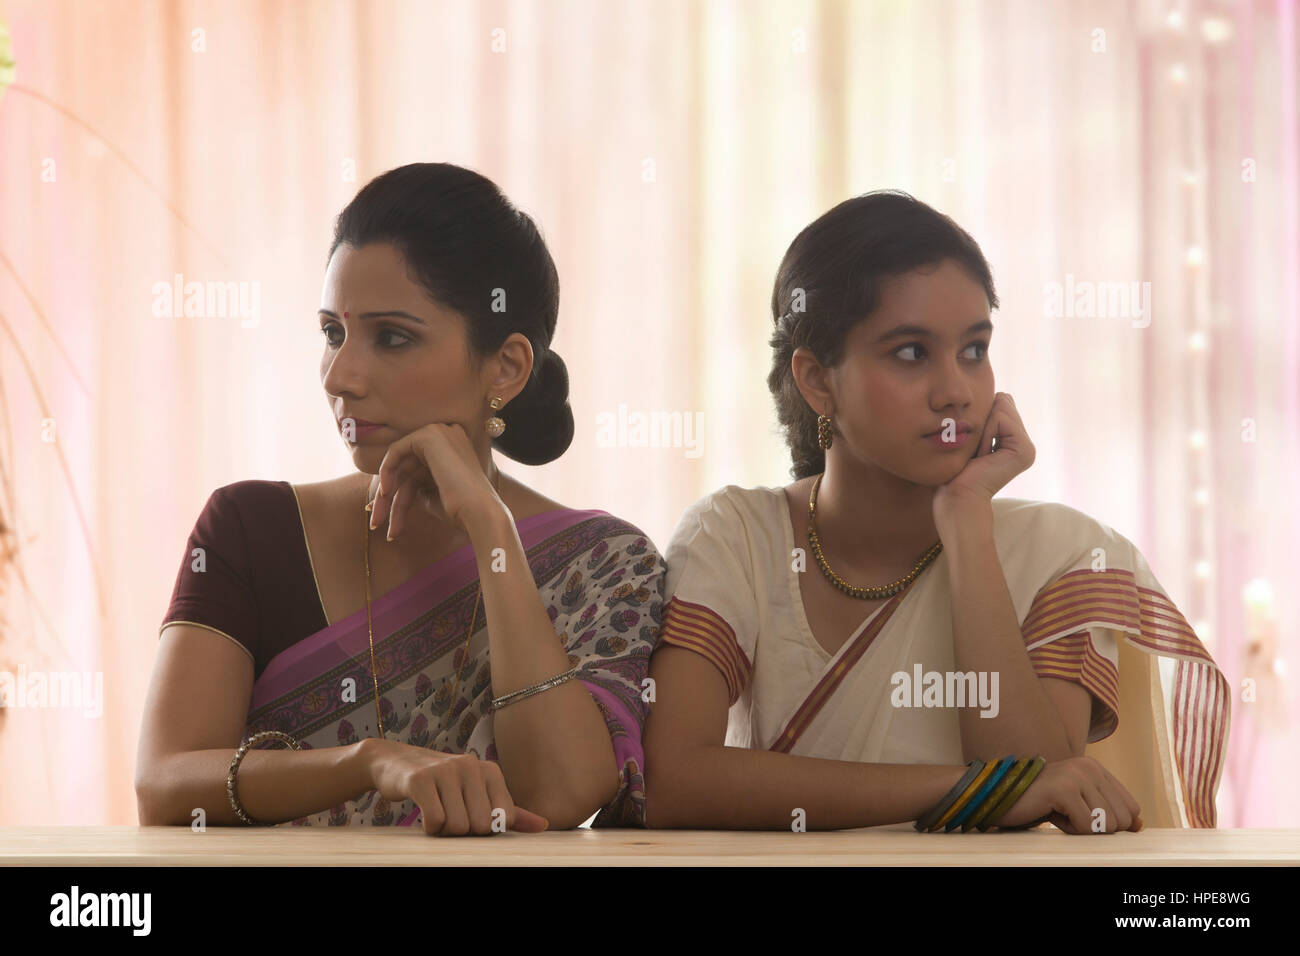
601,582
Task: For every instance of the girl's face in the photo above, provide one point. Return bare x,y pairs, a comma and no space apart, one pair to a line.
391,355
920,358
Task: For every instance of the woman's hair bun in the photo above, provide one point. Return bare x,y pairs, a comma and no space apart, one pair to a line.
539,421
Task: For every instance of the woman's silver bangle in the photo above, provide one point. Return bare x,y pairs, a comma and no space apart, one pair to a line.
499,702
234,767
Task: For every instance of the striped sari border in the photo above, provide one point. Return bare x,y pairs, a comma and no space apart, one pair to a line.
702,630
1201,708
1201,716
1075,658
834,676
1113,597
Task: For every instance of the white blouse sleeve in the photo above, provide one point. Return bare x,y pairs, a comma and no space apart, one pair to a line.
711,607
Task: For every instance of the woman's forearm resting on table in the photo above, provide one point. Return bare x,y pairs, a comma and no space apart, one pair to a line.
736,788
553,746
556,753
272,785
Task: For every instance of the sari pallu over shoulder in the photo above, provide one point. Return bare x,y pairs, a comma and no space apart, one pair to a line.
1090,611
600,580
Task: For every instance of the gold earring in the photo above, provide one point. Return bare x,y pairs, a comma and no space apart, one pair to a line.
495,426
823,431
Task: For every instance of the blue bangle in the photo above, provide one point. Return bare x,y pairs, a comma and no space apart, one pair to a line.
999,772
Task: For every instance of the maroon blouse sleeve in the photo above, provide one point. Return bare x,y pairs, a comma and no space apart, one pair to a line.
246,572
214,587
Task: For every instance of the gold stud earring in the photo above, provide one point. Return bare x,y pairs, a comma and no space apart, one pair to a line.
824,431
495,426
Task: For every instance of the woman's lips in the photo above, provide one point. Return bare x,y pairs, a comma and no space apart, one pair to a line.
361,429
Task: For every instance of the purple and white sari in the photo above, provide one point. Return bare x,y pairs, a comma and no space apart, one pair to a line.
601,581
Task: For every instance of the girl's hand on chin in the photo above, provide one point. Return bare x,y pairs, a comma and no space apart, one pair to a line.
989,469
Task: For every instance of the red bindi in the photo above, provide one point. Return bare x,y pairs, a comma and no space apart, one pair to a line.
345,315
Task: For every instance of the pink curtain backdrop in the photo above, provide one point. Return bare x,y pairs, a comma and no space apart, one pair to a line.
670,151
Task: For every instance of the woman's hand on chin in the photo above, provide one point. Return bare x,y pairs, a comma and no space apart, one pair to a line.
435,466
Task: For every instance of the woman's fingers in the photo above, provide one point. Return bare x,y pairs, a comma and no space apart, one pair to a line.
477,805
400,460
453,804
432,815
390,479
394,458
400,504
498,794
528,822
404,481
517,818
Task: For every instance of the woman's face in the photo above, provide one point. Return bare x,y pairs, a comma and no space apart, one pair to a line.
894,386
391,355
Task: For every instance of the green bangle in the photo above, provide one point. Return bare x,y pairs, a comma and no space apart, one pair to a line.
999,811
973,770
995,797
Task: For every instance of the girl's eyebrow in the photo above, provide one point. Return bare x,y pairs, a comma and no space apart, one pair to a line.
379,315
900,330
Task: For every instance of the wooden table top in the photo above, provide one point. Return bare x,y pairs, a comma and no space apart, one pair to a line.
874,846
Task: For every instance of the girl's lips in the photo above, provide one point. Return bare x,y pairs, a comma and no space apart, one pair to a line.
959,439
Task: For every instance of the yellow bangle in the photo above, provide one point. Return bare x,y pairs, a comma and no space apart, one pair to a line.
970,791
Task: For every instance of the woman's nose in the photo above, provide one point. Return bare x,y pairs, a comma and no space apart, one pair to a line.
345,369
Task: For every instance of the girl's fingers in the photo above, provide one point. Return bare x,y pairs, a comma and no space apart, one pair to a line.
1121,802
1076,807
1128,799
1061,822
1097,801
1114,816
999,423
986,436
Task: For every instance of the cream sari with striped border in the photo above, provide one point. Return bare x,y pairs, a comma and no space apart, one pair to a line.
1090,611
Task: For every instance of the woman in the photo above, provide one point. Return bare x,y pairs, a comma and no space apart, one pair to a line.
834,632
416,670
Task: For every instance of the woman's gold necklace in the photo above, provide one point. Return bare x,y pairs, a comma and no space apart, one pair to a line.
496,484
865,594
